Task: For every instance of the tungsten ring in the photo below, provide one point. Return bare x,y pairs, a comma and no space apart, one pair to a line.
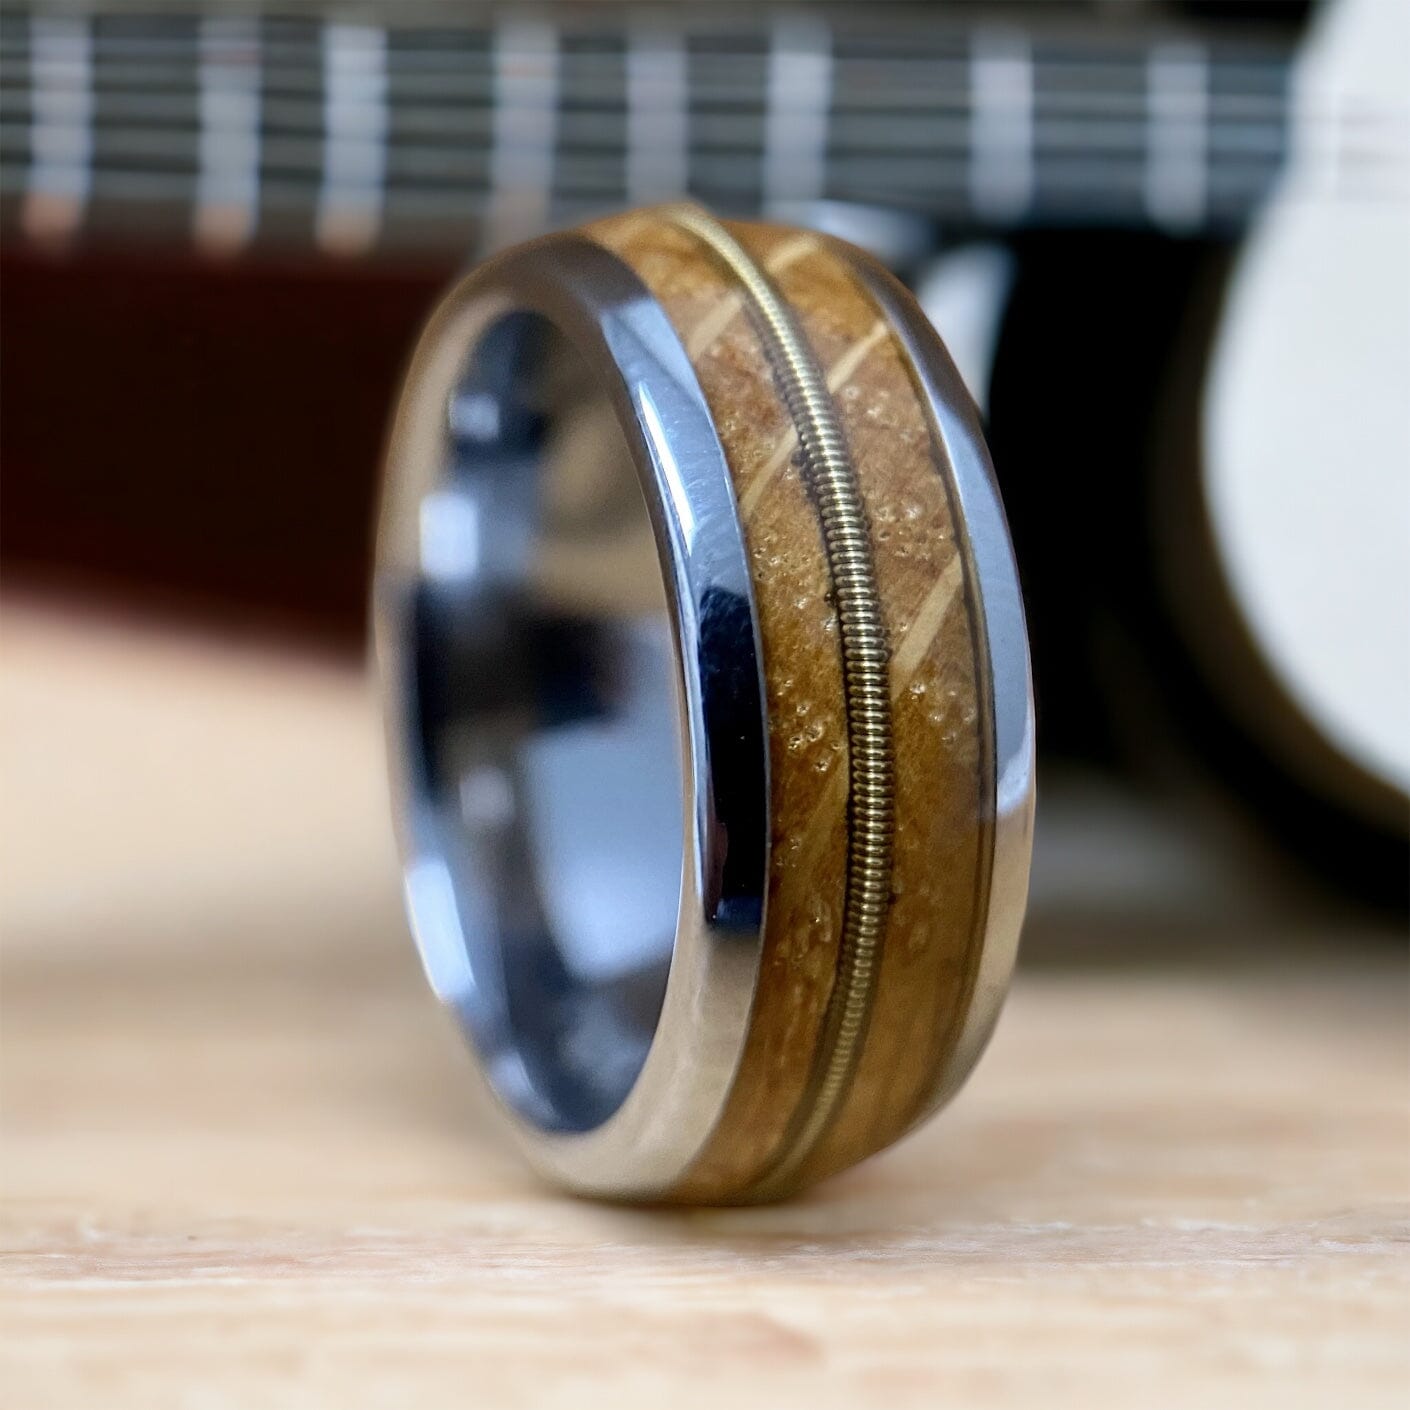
708,702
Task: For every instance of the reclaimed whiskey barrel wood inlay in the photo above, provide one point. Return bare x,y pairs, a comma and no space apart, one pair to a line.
880,724
827,468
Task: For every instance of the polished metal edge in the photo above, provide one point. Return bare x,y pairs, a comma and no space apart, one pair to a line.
833,479
601,305
994,573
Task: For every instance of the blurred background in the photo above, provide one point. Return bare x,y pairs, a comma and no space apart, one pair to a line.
1166,241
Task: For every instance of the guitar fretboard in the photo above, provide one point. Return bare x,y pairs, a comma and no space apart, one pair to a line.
248,131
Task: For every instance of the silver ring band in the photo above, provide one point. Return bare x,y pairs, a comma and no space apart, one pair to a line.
581,741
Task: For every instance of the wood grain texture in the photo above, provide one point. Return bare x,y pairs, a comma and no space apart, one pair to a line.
803,687
940,710
243,1165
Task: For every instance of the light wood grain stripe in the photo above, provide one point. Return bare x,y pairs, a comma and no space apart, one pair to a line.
925,626
712,326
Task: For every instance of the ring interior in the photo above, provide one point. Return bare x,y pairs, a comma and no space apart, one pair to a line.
541,712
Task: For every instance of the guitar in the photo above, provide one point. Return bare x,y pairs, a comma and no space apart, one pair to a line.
242,131
1292,589
1205,450
1084,181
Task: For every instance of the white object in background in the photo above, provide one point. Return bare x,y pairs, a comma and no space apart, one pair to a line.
61,127
353,193
963,294
228,150
1306,431
524,114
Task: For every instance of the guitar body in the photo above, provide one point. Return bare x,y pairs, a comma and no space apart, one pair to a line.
1206,458
1304,443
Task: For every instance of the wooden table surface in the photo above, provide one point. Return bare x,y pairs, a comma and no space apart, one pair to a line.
243,1164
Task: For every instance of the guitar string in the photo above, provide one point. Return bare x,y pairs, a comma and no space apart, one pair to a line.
832,478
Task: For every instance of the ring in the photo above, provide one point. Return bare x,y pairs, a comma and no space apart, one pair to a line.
708,702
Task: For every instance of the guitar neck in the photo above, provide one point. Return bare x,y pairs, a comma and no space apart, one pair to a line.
237,130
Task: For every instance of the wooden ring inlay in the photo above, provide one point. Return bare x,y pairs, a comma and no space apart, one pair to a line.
877,694
832,480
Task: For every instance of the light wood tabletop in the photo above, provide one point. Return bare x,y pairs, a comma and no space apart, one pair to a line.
244,1162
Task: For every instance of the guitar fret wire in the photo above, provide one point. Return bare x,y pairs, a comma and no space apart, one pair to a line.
59,179
658,145
226,207
1001,167
523,129
1177,135
349,214
798,100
